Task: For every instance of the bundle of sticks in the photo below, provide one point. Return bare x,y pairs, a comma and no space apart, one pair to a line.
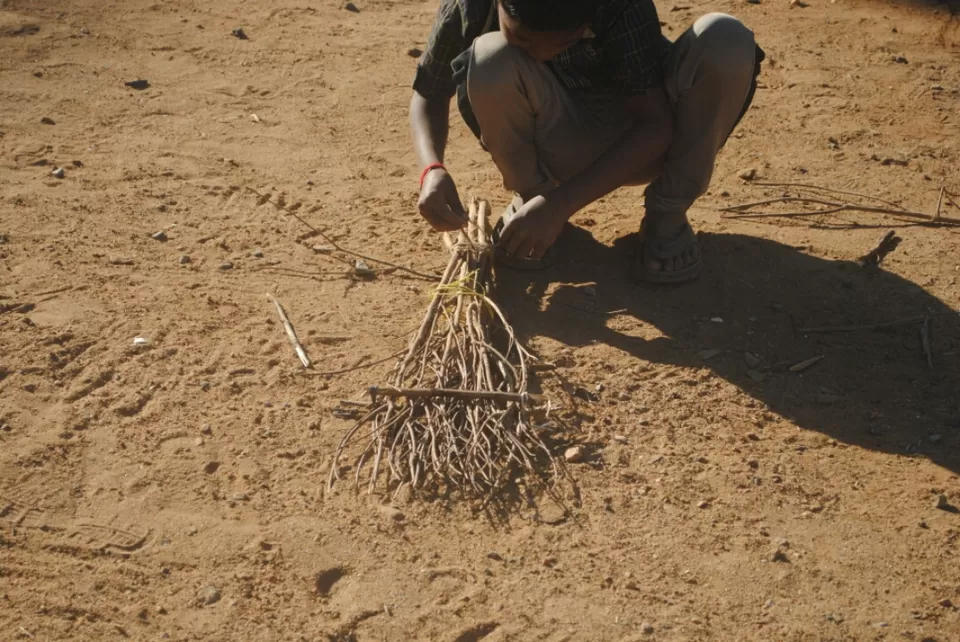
456,414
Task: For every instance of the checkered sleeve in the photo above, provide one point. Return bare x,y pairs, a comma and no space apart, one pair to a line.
448,39
634,45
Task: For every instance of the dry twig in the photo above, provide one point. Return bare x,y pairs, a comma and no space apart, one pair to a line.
265,198
832,206
331,373
925,341
292,335
875,326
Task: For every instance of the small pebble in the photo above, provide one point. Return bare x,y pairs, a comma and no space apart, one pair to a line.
703,504
748,174
208,595
257,254
647,628
139,342
211,467
206,430
552,514
204,385
942,503
185,260
239,33
574,454
414,52
198,441
351,7
226,265
600,387
47,121
323,249
391,512
361,269
947,603
159,236
59,173
716,319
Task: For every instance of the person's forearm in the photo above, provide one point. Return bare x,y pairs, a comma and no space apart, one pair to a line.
429,124
636,156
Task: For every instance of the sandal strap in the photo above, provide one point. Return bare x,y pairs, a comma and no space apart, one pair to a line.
670,248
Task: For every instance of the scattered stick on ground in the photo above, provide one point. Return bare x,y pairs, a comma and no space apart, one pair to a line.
292,335
456,413
876,326
265,198
887,244
925,341
361,366
831,205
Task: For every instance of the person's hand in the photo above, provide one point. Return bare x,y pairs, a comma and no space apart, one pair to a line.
439,202
532,229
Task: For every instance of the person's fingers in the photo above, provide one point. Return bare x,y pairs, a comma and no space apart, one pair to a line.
514,241
526,248
436,219
434,209
506,234
455,205
450,220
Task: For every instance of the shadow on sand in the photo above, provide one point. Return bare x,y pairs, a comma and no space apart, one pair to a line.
873,388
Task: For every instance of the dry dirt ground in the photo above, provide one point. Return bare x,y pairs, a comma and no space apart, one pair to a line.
176,490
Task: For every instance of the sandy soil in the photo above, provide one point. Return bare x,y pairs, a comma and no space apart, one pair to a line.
176,490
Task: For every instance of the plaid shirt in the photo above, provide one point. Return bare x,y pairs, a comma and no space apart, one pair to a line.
622,52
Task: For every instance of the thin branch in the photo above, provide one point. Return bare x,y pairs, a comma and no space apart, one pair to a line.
875,326
829,189
331,373
265,198
292,334
925,341
739,211
469,395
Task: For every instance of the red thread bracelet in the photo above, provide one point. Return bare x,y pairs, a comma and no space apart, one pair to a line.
428,169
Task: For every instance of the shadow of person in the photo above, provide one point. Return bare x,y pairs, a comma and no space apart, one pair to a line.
747,320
